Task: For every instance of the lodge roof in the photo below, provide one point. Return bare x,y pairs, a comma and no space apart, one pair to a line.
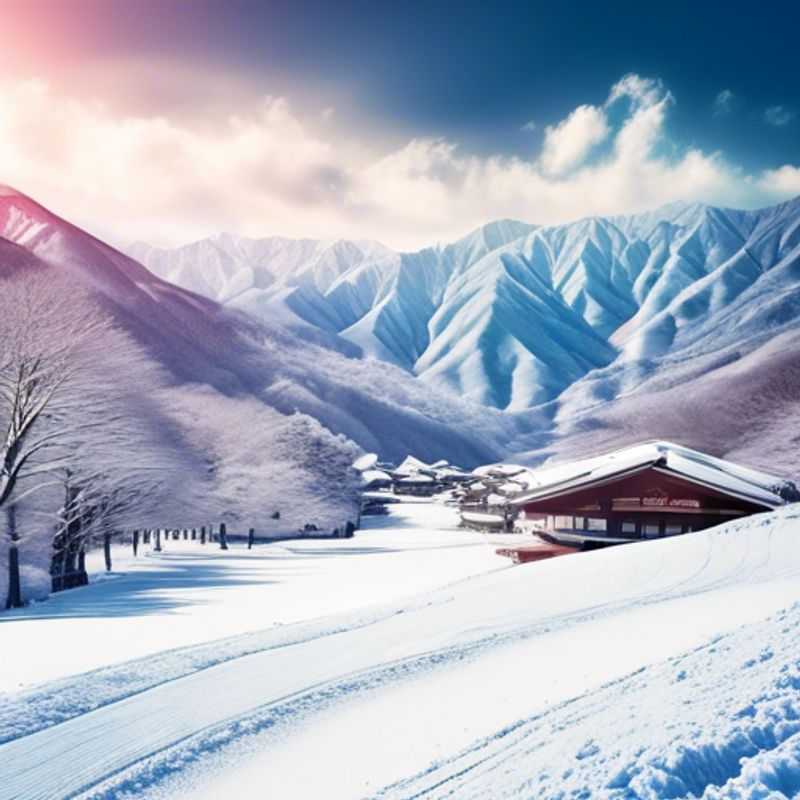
699,468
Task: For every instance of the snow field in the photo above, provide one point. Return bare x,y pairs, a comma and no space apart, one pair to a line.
192,594
507,701
402,700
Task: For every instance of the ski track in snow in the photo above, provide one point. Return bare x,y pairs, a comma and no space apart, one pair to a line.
161,716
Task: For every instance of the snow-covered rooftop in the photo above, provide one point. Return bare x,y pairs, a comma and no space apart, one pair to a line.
411,465
419,478
372,475
365,462
499,470
700,468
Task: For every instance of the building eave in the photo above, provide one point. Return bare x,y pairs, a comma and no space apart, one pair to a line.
758,501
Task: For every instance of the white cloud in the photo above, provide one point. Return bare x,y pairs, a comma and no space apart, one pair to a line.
567,144
723,102
778,116
782,182
267,170
643,92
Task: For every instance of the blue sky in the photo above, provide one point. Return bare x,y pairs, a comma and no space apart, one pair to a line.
370,108
476,71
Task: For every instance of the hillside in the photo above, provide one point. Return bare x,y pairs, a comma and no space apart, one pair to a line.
306,370
598,333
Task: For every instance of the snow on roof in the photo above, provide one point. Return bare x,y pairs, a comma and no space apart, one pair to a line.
450,472
411,465
372,475
510,487
724,476
495,499
499,470
365,462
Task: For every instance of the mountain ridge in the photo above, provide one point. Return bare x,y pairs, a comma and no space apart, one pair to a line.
589,335
591,293
201,342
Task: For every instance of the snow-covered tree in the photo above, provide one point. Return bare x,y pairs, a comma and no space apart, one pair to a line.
274,472
80,432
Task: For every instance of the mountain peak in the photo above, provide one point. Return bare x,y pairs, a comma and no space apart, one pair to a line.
9,191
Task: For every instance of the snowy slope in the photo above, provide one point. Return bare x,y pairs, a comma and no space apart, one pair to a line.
596,334
192,335
282,360
577,677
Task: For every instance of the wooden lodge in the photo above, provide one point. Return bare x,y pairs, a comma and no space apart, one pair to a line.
644,492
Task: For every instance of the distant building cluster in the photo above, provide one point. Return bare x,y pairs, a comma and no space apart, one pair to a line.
646,491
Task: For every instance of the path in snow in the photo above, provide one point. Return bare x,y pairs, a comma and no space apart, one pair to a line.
391,693
192,594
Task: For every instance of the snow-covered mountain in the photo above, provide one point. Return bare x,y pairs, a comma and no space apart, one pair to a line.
378,406
612,329
680,324
512,315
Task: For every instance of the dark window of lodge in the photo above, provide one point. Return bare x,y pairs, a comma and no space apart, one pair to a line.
629,527
651,529
591,524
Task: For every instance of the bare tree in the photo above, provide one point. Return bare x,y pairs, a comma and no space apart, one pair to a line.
102,504
77,420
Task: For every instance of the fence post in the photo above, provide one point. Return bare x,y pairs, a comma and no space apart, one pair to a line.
185,534
157,534
194,534
135,543
223,537
251,538
202,534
